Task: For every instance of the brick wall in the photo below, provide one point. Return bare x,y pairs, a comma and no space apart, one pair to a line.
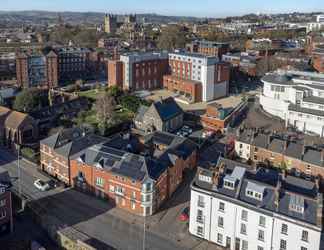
115,73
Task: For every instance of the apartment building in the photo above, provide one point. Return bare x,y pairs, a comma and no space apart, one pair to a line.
7,66
59,66
208,48
196,77
139,184
31,69
142,71
6,220
241,208
296,97
244,62
281,152
115,73
318,59
56,151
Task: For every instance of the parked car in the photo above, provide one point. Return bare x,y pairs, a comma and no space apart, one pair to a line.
41,185
184,216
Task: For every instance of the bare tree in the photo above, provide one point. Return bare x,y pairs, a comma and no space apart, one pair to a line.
105,108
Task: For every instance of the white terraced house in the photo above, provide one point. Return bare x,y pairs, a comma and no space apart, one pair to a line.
240,208
296,97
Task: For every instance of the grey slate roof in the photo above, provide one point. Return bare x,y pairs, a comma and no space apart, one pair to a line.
268,181
167,108
294,150
313,156
278,79
277,145
297,108
261,141
71,141
314,99
140,113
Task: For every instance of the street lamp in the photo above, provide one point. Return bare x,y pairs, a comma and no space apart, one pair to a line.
19,173
144,231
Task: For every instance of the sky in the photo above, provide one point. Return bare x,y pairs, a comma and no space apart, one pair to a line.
201,8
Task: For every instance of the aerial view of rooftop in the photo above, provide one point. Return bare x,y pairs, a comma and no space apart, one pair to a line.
161,125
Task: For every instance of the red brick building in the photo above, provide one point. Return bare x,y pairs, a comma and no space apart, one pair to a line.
55,151
208,48
218,118
318,59
6,220
131,181
115,73
277,151
143,71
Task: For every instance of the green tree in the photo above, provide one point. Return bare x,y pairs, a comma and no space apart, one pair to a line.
171,38
28,100
132,103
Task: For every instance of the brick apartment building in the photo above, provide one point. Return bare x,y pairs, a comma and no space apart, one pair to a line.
243,62
280,152
56,150
115,73
208,48
6,220
318,59
196,77
59,66
131,181
7,66
140,71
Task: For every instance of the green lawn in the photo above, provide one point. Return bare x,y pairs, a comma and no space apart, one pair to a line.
92,94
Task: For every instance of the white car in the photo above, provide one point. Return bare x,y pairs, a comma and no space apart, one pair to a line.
41,185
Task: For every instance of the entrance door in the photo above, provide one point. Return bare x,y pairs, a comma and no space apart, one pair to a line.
228,242
237,244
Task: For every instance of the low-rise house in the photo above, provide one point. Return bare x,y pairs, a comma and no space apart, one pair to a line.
237,207
16,128
138,183
164,115
218,117
56,150
6,221
281,152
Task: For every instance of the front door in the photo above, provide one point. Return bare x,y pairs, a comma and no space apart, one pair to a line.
237,244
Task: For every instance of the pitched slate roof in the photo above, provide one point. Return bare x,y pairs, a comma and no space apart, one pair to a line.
71,141
13,119
167,108
140,113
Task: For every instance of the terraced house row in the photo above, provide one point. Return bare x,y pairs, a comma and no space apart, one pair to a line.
281,152
134,173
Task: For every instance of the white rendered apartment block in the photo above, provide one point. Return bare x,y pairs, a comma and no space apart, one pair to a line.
247,209
207,70
296,97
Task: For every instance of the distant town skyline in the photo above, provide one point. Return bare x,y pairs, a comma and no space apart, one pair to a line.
202,8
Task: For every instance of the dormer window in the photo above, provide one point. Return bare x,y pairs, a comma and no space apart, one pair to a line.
254,191
229,184
100,163
81,158
296,204
205,178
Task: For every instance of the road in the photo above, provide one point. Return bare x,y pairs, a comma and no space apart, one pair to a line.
29,174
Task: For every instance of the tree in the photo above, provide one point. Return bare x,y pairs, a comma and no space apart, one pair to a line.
28,100
132,103
105,108
171,38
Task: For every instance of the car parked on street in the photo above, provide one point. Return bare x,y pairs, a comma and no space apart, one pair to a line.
184,216
41,185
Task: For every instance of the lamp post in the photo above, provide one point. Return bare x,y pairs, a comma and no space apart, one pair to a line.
144,231
19,172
